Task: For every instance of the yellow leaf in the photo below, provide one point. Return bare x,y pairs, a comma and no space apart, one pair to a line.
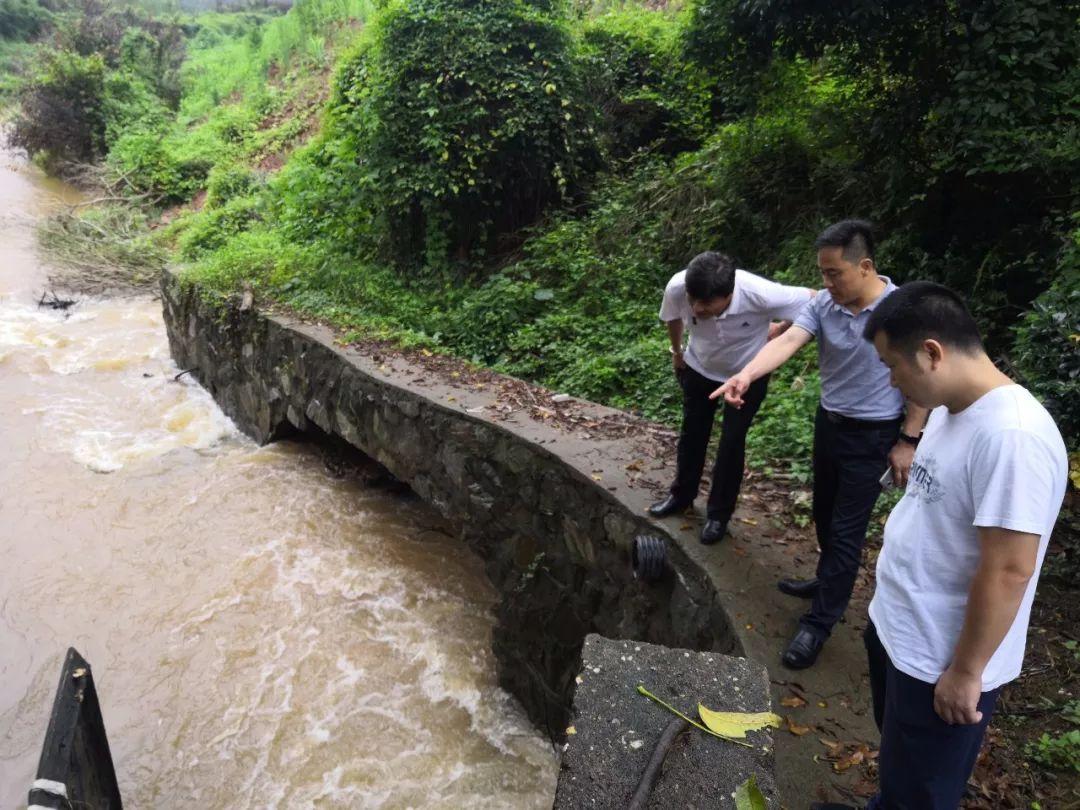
570,730
736,724
793,702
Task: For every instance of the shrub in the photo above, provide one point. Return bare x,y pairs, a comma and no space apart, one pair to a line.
148,166
454,124
213,228
129,104
1048,346
634,76
22,20
229,180
61,116
1060,753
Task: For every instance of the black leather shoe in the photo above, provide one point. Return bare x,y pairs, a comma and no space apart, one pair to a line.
802,651
713,531
669,506
802,588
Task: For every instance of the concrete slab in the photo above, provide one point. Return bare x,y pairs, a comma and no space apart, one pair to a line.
616,729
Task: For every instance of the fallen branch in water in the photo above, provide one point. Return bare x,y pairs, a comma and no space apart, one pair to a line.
55,302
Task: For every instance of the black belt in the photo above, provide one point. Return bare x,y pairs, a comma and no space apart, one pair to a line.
851,423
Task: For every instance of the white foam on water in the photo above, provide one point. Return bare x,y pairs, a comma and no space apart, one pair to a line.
121,405
334,672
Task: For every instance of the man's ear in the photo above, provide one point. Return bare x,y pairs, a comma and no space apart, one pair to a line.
866,265
934,351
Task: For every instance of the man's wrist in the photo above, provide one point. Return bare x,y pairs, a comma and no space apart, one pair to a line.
907,438
675,351
965,670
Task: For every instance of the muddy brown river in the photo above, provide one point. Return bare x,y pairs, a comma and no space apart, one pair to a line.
262,633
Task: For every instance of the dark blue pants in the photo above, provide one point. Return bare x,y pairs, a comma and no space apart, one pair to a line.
924,762
698,414
849,459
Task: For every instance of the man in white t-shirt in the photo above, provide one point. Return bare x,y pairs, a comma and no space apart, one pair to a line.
730,315
962,551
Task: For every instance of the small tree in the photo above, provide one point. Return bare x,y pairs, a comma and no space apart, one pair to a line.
454,124
61,115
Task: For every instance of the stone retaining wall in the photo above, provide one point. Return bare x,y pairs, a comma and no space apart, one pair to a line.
555,541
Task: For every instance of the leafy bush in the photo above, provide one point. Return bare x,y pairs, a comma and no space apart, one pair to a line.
130,105
259,258
22,20
61,116
1048,347
148,166
213,228
635,77
229,180
454,124
1060,753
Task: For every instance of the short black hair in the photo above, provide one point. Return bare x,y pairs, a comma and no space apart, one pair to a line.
710,275
854,236
920,310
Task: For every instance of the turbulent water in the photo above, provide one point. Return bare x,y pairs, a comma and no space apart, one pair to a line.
262,633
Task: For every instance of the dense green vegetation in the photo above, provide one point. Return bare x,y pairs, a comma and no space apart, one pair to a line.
514,182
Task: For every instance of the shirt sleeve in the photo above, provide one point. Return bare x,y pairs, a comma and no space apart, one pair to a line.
783,302
673,307
1012,482
809,317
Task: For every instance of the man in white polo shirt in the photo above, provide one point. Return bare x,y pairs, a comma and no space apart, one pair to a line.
957,573
730,315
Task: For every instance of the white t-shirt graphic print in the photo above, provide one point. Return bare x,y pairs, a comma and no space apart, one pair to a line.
1001,463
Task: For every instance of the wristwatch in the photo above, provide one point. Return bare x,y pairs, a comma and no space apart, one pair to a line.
912,440
673,350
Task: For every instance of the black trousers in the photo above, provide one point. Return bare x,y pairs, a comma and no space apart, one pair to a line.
849,460
698,414
924,762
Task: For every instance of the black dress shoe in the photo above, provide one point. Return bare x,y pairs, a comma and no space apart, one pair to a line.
713,531
669,506
802,588
802,651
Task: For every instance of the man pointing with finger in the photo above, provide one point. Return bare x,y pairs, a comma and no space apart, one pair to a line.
860,430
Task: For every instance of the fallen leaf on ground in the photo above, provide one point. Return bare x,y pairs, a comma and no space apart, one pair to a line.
795,728
855,759
736,724
793,702
748,796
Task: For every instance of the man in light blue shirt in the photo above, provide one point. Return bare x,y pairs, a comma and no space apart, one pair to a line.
860,430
